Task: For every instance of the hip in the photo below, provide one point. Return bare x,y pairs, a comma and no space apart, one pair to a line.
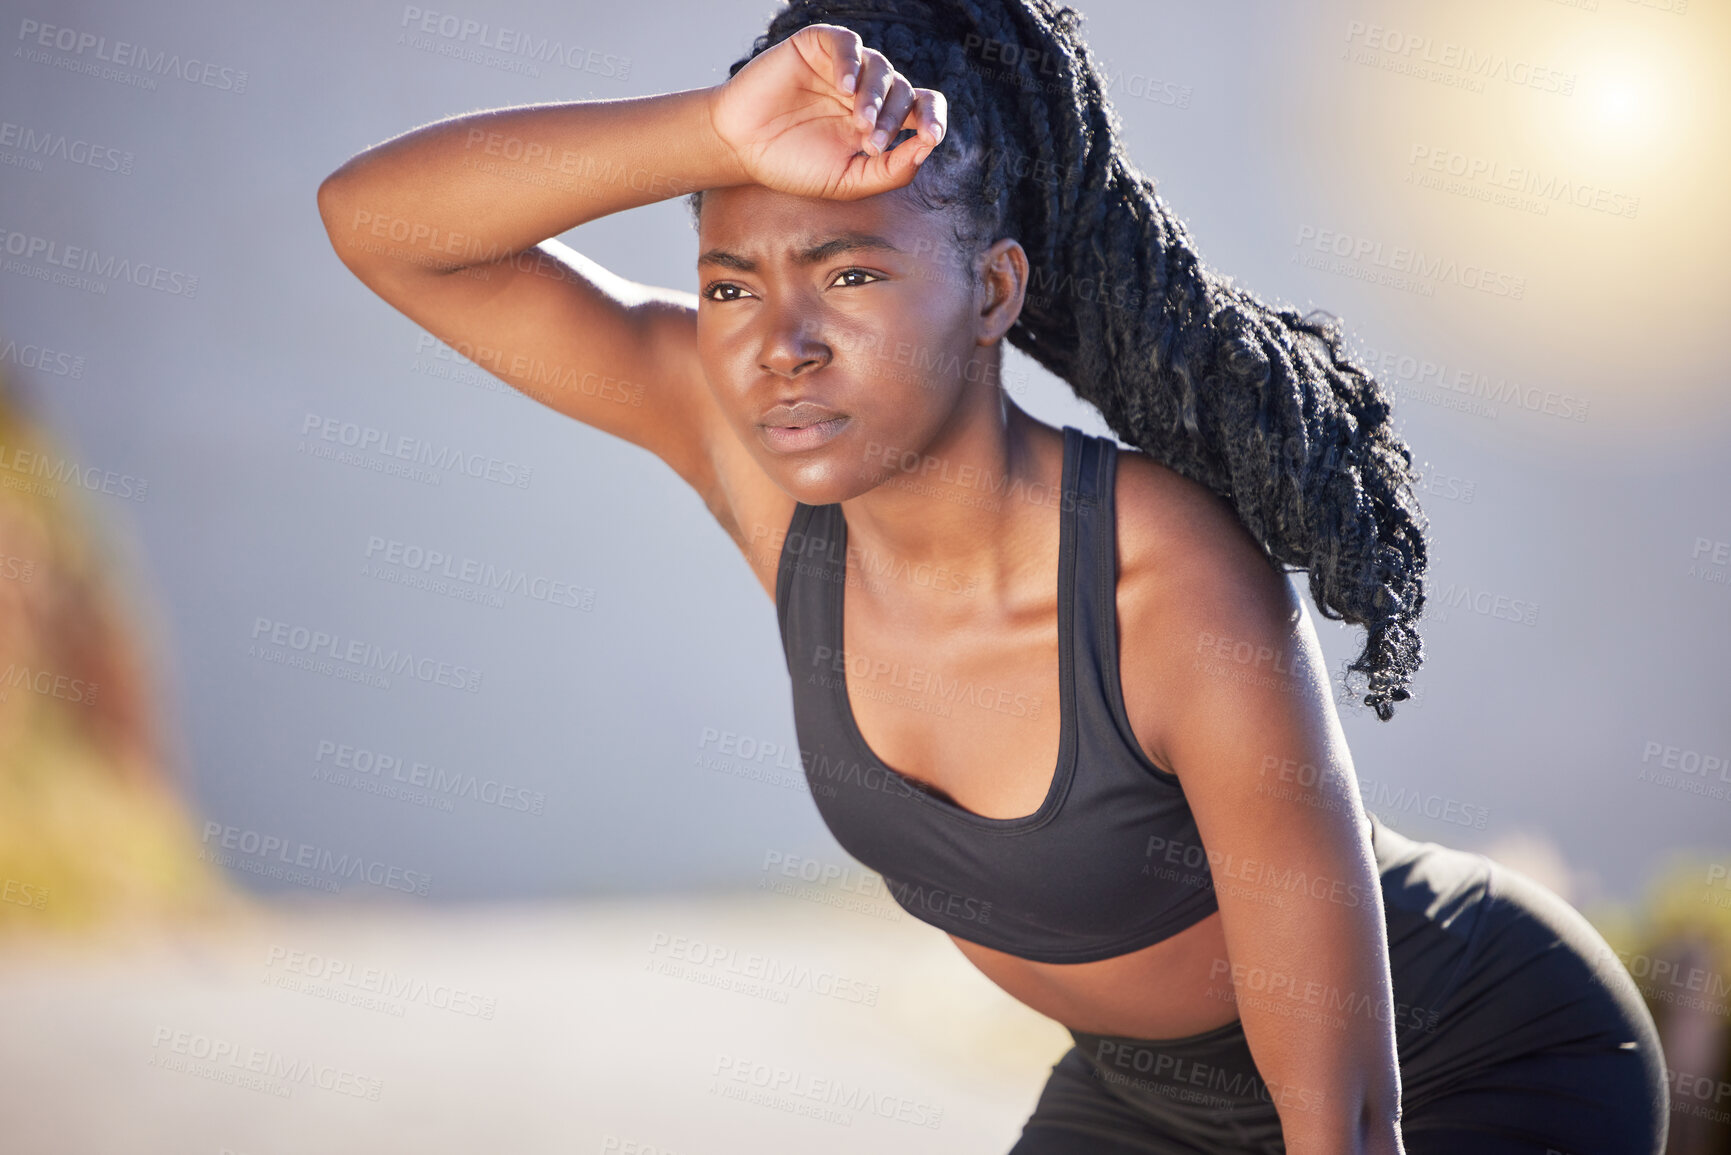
1494,979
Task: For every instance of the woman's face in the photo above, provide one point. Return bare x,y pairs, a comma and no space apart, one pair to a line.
856,320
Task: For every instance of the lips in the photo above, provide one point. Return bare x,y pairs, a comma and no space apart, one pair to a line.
802,438
800,415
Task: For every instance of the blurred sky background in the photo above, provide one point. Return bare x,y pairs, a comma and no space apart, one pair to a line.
1576,424
1273,142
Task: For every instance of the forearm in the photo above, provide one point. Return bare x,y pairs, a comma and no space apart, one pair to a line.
1320,1020
480,187
1333,1075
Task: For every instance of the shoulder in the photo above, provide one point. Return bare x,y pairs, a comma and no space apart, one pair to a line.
1202,610
1181,547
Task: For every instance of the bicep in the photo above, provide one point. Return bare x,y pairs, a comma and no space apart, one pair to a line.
562,329
612,353
619,356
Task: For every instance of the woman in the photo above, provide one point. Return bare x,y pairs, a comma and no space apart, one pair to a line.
1246,959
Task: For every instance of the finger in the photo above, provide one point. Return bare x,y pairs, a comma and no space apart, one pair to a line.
874,85
894,111
929,118
844,48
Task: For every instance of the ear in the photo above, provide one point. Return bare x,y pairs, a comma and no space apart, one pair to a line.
1001,276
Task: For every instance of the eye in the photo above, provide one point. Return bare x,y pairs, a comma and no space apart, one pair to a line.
714,290
857,272
710,290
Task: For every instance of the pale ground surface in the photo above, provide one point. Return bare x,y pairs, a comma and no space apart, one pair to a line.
592,1045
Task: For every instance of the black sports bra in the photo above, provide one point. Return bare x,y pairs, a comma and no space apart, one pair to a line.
1109,863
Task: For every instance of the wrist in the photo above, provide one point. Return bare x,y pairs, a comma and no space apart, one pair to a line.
720,164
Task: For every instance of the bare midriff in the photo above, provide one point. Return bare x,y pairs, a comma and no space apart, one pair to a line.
1178,986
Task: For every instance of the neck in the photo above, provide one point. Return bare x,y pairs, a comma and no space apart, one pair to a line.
974,503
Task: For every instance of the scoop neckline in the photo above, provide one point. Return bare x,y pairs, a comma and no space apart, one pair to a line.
1064,771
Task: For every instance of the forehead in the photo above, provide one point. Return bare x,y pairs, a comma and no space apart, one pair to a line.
758,221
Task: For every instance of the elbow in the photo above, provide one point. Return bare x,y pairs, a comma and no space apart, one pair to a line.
1379,1125
333,202
351,216
1334,1126
344,217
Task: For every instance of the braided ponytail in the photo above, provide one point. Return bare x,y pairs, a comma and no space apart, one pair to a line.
1261,405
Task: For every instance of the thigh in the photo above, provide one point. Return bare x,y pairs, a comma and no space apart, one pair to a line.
1546,1104
1542,1044
1077,1115
1051,1140
1518,1032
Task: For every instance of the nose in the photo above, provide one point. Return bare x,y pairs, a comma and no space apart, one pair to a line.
793,343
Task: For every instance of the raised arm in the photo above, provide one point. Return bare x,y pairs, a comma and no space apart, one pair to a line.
452,222
1265,767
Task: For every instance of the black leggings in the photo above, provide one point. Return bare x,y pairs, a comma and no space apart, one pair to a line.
1517,1029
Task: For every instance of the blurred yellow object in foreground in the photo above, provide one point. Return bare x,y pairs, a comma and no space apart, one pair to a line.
93,831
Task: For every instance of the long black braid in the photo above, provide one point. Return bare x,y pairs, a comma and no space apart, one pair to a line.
1262,405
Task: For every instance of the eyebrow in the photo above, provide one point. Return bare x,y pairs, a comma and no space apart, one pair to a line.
845,243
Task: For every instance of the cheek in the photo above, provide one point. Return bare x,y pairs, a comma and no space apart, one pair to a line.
723,381
903,345
934,345
718,349
940,316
